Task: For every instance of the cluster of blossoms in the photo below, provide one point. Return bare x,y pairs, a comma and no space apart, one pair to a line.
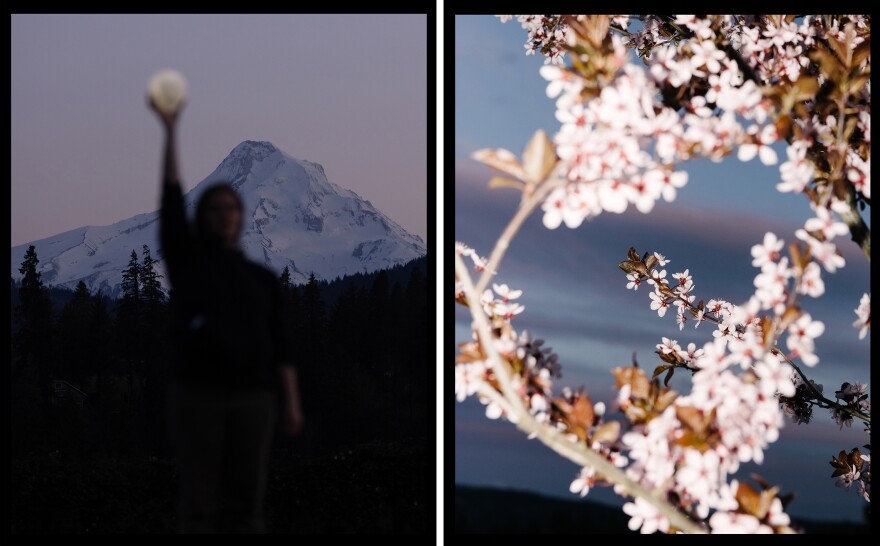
863,312
740,327
546,35
744,408
621,145
624,128
536,364
731,417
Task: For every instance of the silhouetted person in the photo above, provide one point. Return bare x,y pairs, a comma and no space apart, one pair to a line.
234,361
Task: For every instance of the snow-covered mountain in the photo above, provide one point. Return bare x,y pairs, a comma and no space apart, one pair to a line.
294,217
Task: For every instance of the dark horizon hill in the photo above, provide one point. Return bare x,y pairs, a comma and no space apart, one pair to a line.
481,510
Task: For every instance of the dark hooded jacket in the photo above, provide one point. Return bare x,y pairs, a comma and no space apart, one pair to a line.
229,324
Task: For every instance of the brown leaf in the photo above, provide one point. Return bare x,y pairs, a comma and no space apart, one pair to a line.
862,51
805,88
633,264
689,439
855,458
858,82
671,358
471,351
665,290
791,314
660,369
783,126
829,66
838,47
635,378
664,400
504,182
539,157
690,417
607,433
766,499
630,267
582,412
768,330
794,251
635,413
747,498
502,160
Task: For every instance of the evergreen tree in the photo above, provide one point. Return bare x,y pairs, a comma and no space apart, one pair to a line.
128,318
31,367
416,336
74,336
316,376
154,359
150,287
33,316
101,332
285,278
131,293
314,312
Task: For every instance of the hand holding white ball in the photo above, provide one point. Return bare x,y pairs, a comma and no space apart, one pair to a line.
167,91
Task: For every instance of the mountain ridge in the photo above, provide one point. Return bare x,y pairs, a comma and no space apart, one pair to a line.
294,217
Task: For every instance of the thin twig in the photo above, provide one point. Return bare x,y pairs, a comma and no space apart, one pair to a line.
527,203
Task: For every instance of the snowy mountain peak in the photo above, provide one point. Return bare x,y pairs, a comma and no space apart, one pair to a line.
294,217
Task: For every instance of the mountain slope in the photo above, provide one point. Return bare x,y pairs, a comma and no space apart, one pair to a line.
294,217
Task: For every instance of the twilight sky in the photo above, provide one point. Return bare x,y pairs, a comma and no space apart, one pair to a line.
86,149
575,296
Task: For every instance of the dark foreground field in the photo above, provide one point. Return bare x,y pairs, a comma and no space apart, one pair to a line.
374,488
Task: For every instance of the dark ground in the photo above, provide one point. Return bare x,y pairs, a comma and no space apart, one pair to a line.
373,488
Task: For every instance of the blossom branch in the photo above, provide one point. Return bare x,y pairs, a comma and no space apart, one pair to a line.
578,452
773,348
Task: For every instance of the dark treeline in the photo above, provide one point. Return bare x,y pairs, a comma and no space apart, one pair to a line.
89,375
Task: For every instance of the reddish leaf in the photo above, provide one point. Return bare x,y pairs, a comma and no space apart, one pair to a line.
582,412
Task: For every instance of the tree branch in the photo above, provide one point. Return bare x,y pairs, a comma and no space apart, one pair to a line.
578,452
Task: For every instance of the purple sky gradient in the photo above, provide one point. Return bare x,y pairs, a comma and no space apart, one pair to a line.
86,149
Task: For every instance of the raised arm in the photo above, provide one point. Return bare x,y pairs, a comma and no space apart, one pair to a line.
174,234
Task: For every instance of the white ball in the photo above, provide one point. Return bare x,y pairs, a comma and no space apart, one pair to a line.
167,88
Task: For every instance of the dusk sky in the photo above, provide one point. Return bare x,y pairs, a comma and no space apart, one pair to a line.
575,296
86,149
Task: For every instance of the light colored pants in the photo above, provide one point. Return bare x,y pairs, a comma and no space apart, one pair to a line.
222,439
